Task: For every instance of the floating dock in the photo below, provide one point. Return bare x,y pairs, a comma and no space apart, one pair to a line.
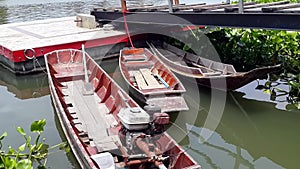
22,45
274,15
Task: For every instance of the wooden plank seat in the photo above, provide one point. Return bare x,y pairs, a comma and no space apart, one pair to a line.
169,103
128,58
66,70
90,114
141,83
146,80
136,65
93,113
68,74
150,79
108,143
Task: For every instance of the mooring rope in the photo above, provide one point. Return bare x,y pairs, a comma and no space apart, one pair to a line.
126,28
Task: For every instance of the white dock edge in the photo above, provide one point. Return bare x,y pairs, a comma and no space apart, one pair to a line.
49,32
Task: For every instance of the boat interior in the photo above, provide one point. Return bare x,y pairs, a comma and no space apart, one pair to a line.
93,115
86,110
146,73
190,64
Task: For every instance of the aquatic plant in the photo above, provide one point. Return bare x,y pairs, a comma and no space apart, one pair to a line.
249,48
267,1
28,153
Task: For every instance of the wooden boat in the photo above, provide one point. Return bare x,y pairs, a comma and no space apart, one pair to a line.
206,72
103,125
150,81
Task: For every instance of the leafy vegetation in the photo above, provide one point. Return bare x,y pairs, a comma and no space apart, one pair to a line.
267,1
247,49
260,47
26,155
250,48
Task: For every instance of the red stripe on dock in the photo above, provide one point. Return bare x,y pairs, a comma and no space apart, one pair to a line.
18,56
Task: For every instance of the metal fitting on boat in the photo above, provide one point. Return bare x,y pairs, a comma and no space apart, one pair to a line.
29,53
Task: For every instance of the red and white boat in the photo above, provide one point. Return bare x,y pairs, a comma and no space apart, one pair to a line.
103,125
150,81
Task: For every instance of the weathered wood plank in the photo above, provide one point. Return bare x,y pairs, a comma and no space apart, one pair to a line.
136,65
149,77
169,104
128,58
107,143
68,70
91,116
139,79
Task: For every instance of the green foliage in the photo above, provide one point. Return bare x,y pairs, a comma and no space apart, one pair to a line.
250,48
38,126
247,49
28,153
268,1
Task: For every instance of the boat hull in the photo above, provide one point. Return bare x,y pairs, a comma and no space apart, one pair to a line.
68,131
233,82
208,73
150,82
88,104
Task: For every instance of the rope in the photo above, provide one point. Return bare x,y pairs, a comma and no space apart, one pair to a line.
126,28
37,61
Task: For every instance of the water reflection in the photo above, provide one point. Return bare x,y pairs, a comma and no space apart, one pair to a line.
26,86
251,134
217,153
71,158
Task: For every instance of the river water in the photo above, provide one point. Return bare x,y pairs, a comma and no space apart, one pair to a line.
241,129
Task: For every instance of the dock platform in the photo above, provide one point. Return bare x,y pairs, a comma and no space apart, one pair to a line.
274,15
34,38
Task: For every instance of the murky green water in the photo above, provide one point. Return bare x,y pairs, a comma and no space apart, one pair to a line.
252,132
